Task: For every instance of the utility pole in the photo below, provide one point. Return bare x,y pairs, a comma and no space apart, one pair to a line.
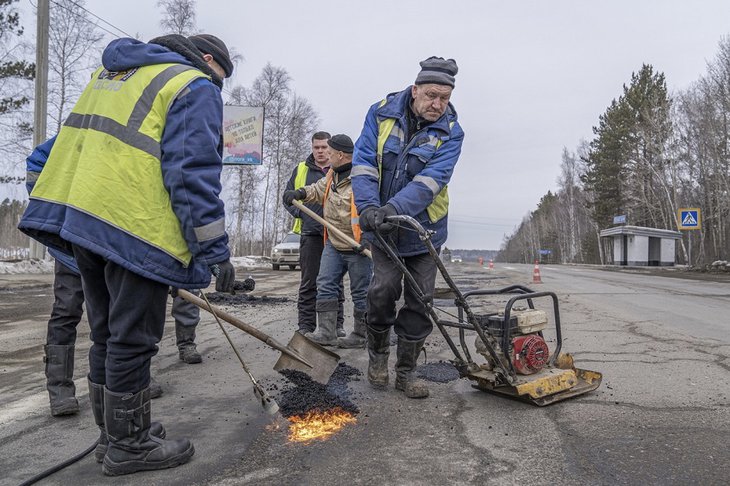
38,251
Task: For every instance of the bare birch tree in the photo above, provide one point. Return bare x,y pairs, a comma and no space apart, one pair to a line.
178,17
288,123
73,54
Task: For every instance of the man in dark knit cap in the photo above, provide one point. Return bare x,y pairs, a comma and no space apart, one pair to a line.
403,160
130,188
334,193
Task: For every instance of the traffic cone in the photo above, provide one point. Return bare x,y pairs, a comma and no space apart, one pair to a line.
536,274
491,264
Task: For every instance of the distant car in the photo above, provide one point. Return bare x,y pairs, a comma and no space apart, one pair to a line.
286,252
456,259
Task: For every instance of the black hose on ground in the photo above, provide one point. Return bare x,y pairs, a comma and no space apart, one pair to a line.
60,466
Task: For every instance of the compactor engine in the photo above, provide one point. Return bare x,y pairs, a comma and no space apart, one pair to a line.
528,351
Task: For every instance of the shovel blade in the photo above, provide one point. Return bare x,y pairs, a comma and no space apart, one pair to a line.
323,360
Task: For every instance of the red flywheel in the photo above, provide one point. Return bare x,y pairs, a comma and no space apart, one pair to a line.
529,354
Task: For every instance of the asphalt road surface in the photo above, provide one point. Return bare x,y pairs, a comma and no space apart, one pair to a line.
661,415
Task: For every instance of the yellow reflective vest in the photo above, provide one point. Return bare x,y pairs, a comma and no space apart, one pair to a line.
106,158
300,181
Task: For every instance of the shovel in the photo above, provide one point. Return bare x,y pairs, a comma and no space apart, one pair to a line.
330,227
300,354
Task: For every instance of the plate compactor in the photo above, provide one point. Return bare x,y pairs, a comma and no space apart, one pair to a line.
519,363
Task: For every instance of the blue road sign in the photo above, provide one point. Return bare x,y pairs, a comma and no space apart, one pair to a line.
689,218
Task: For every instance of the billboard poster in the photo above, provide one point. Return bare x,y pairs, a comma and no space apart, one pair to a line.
243,135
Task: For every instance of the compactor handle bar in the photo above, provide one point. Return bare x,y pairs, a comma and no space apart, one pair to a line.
503,365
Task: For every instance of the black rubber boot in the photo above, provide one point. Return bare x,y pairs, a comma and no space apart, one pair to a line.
326,334
186,344
358,336
405,369
96,397
59,379
131,446
378,353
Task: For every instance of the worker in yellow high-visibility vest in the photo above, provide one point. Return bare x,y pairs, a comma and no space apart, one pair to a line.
131,189
311,242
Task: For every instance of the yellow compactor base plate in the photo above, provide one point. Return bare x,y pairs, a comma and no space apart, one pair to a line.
548,386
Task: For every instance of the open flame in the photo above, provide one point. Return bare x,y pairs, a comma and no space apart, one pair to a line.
318,424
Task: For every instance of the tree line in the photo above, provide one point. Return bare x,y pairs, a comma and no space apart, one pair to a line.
652,153
255,217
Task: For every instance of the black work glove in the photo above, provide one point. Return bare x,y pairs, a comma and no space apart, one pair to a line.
290,196
383,212
173,292
225,276
367,219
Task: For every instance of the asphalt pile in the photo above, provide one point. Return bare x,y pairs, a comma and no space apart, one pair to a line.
302,394
243,299
441,372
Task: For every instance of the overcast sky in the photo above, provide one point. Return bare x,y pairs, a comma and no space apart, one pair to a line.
534,76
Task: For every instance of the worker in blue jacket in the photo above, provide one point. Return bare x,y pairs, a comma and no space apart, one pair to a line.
402,163
131,190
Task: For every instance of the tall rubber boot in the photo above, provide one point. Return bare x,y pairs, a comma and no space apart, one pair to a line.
405,369
378,353
186,344
96,397
131,446
59,379
358,336
326,334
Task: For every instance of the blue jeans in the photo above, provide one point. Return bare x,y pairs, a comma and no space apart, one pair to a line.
332,269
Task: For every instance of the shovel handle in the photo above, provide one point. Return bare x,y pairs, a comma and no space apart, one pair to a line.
247,328
330,227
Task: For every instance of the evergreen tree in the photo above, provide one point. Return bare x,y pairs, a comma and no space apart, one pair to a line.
606,163
10,67
626,160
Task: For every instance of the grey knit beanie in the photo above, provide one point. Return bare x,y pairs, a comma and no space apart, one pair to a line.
341,142
210,44
437,70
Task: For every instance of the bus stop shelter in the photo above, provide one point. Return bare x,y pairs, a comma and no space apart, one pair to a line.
640,246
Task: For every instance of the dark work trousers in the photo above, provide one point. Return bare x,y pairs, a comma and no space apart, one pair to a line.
126,314
185,313
412,321
67,306
310,254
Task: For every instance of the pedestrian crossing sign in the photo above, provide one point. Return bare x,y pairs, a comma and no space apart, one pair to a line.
689,218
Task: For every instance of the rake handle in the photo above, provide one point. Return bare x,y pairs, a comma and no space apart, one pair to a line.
354,244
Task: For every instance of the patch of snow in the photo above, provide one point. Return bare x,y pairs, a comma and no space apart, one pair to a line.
27,266
251,261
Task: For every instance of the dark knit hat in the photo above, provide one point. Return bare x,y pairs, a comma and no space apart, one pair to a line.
210,44
437,70
341,142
